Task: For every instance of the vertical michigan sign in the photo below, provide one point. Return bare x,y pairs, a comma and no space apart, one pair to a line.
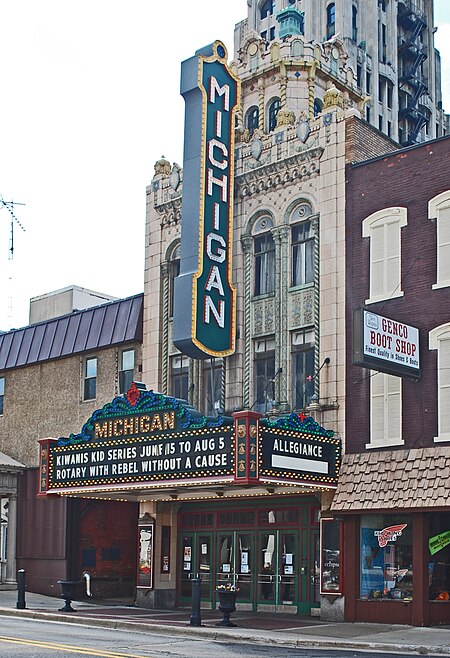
204,301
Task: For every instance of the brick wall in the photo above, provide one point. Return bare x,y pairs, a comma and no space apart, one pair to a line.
363,141
407,178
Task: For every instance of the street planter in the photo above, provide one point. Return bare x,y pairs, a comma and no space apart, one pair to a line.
227,605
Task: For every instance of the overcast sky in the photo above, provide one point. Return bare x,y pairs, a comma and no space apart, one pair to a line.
90,101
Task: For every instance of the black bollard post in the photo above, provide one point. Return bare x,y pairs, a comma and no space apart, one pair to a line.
21,589
196,619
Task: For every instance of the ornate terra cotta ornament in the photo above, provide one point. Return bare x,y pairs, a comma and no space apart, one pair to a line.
333,98
256,148
162,167
174,178
303,128
285,117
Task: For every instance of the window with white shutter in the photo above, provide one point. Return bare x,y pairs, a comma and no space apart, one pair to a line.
383,229
439,339
385,410
439,211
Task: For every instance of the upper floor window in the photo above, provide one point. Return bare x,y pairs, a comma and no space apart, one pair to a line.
439,209
2,394
126,371
385,410
252,119
383,229
302,253
179,376
174,270
274,108
302,367
318,107
331,20
439,339
267,8
90,378
354,23
264,374
264,264
212,386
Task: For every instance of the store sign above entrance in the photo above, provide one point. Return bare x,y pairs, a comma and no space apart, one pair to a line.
204,300
142,437
385,345
295,449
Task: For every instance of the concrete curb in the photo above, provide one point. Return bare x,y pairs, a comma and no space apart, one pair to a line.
235,635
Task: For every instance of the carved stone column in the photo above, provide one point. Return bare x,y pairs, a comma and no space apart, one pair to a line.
261,105
281,239
247,242
165,365
315,227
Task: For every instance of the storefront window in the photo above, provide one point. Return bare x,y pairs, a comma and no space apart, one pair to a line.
386,557
439,556
330,533
145,563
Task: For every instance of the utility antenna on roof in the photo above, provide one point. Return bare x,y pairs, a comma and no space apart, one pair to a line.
9,205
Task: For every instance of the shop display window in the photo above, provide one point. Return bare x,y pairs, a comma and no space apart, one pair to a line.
439,556
145,562
330,560
386,557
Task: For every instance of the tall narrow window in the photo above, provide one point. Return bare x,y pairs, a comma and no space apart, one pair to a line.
318,107
126,371
439,340
354,23
179,376
90,378
174,270
303,368
274,108
212,386
383,229
264,373
302,253
439,210
385,410
331,20
267,9
2,394
264,264
252,119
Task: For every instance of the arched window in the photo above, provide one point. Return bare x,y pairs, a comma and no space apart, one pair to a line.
274,108
439,339
302,243
331,20
264,264
267,8
252,119
354,23
318,107
174,270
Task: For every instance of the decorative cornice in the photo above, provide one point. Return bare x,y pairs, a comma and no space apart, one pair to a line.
170,211
299,166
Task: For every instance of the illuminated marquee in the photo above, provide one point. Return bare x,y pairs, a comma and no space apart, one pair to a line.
204,306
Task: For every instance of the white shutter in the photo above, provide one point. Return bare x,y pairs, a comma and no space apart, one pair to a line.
377,408
444,386
392,236
443,236
377,264
393,407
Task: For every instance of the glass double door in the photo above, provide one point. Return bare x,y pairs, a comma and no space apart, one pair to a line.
195,560
278,568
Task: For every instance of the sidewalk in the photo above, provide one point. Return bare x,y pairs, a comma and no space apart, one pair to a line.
255,628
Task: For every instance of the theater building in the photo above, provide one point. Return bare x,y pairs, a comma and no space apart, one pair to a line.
218,453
